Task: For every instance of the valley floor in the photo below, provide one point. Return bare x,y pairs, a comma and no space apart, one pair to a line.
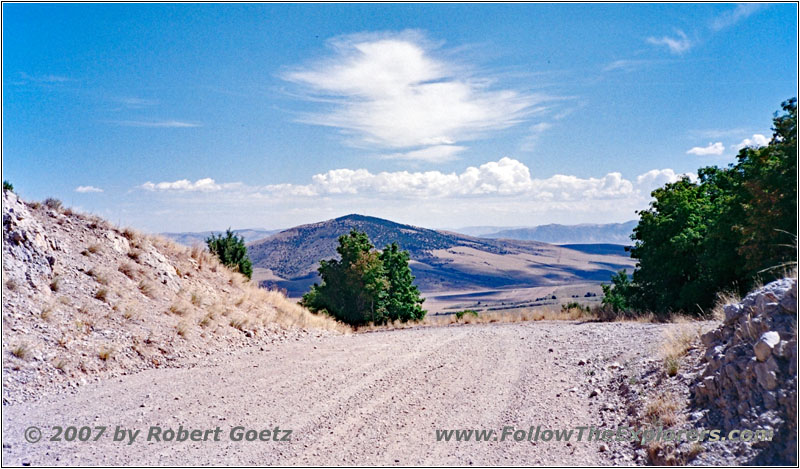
366,399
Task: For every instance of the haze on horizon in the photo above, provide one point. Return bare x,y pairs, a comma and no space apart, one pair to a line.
198,117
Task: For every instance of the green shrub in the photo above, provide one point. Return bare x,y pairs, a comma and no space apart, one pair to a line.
461,314
53,203
231,251
7,186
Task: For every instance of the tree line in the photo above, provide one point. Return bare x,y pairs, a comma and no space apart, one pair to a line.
727,230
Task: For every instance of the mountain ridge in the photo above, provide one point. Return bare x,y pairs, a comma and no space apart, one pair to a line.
441,260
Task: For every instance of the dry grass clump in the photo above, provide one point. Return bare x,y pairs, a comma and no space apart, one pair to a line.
135,254
724,298
130,234
128,269
53,203
148,288
663,409
21,351
47,311
55,284
105,353
677,342
180,308
182,329
93,248
99,276
101,294
197,299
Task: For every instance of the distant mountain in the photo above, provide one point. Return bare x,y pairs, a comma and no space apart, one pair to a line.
199,237
440,260
613,249
610,233
479,231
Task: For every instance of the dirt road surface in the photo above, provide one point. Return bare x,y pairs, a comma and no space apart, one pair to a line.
365,399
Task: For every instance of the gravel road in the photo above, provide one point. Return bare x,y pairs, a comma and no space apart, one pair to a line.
366,399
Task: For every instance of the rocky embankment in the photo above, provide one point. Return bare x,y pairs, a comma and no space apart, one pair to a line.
750,375
83,300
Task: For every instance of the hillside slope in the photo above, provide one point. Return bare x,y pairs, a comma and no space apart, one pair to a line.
440,260
199,237
83,299
609,233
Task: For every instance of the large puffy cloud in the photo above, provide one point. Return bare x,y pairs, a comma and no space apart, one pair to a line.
758,140
503,178
389,92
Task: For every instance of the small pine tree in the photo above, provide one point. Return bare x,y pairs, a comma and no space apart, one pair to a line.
7,186
231,251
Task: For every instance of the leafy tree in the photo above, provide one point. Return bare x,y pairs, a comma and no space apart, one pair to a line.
402,296
364,285
769,196
353,287
720,232
231,251
7,186
616,295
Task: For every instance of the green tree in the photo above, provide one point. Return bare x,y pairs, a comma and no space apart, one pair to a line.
769,196
353,288
616,296
231,251
700,238
402,296
7,186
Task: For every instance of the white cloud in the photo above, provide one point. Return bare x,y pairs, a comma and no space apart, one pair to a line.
711,149
165,124
184,185
388,91
86,189
529,142
626,65
434,154
676,45
136,103
498,192
758,140
731,17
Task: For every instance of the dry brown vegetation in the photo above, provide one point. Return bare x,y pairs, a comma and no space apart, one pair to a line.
114,286
676,344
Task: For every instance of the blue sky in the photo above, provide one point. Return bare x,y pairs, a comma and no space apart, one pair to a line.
195,117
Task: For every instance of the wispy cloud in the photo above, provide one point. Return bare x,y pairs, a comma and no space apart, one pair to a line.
43,79
389,91
136,103
676,45
535,132
731,17
433,154
711,149
87,189
163,124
